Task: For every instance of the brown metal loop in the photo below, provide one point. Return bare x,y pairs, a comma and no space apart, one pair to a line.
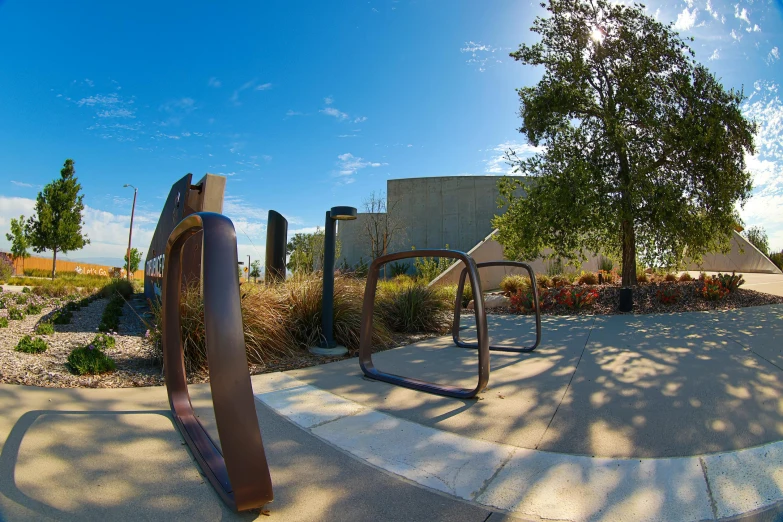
365,342
239,474
458,309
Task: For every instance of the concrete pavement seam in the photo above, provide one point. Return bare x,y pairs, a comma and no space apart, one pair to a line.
487,482
713,504
751,350
568,387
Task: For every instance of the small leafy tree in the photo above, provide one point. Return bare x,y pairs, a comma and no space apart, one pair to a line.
255,269
643,148
135,260
306,251
57,224
19,239
757,237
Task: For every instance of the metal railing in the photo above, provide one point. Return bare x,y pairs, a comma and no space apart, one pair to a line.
239,473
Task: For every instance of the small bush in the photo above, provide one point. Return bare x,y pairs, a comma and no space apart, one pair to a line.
26,290
777,258
415,308
104,341
110,321
522,302
587,278
90,360
731,282
118,286
576,298
6,269
398,268
511,284
703,276
560,281
543,281
428,268
668,294
670,278
3,322
33,309
44,328
62,316
642,277
20,299
555,267
15,314
605,264
713,289
29,345
685,277
2,302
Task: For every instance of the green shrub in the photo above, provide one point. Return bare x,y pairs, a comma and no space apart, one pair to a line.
26,290
511,284
2,303
29,345
3,322
605,264
6,269
44,328
554,267
398,268
412,308
522,302
62,316
685,277
560,281
713,289
118,286
33,309
777,258
543,281
110,321
428,268
20,299
90,360
731,282
15,314
587,278
104,341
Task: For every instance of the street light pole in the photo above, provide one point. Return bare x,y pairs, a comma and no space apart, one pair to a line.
130,232
328,345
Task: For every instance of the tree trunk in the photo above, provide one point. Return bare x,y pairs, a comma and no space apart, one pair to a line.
54,264
629,253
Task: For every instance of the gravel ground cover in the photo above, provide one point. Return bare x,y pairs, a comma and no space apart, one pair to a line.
139,364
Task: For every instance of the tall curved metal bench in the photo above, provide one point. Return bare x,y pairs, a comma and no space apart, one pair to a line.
458,309
239,473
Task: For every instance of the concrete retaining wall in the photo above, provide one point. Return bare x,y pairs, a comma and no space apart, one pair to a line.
743,257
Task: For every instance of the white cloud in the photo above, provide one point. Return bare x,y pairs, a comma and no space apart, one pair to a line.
360,119
237,206
349,164
480,54
742,15
116,113
291,112
773,56
331,111
714,13
735,35
686,19
20,184
214,82
108,232
498,164
328,100
264,87
715,55
248,85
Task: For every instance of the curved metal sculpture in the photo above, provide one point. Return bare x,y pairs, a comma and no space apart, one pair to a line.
240,473
458,309
365,342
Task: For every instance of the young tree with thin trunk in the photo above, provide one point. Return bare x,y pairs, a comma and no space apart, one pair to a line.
757,237
381,225
643,148
19,239
57,224
135,260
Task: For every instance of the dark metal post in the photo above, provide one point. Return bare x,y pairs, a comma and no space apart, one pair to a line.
327,307
276,236
130,231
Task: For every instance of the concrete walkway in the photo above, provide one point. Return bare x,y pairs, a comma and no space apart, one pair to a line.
668,417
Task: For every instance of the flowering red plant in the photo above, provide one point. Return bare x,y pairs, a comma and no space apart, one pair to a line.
576,297
669,294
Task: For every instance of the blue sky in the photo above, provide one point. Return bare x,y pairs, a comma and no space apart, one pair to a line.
305,105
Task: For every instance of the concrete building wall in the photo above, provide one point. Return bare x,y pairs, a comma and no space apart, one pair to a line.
435,212
743,257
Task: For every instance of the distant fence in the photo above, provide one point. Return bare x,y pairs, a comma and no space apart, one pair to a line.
45,263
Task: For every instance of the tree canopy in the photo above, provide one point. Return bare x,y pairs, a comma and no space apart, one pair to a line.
305,251
57,224
135,260
19,239
642,148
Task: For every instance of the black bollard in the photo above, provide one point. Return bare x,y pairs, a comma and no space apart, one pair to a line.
626,299
276,237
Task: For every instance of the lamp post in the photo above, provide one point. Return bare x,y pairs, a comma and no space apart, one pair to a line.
130,232
328,346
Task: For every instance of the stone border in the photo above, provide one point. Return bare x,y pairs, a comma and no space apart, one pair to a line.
530,482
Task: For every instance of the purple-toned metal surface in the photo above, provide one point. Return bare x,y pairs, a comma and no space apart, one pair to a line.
458,309
365,342
239,474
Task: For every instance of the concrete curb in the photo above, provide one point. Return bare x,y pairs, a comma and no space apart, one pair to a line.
731,485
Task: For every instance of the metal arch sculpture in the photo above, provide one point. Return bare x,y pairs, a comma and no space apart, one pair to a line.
240,474
365,340
458,308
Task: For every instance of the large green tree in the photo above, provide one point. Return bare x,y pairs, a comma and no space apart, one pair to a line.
642,148
758,238
19,239
57,224
305,251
